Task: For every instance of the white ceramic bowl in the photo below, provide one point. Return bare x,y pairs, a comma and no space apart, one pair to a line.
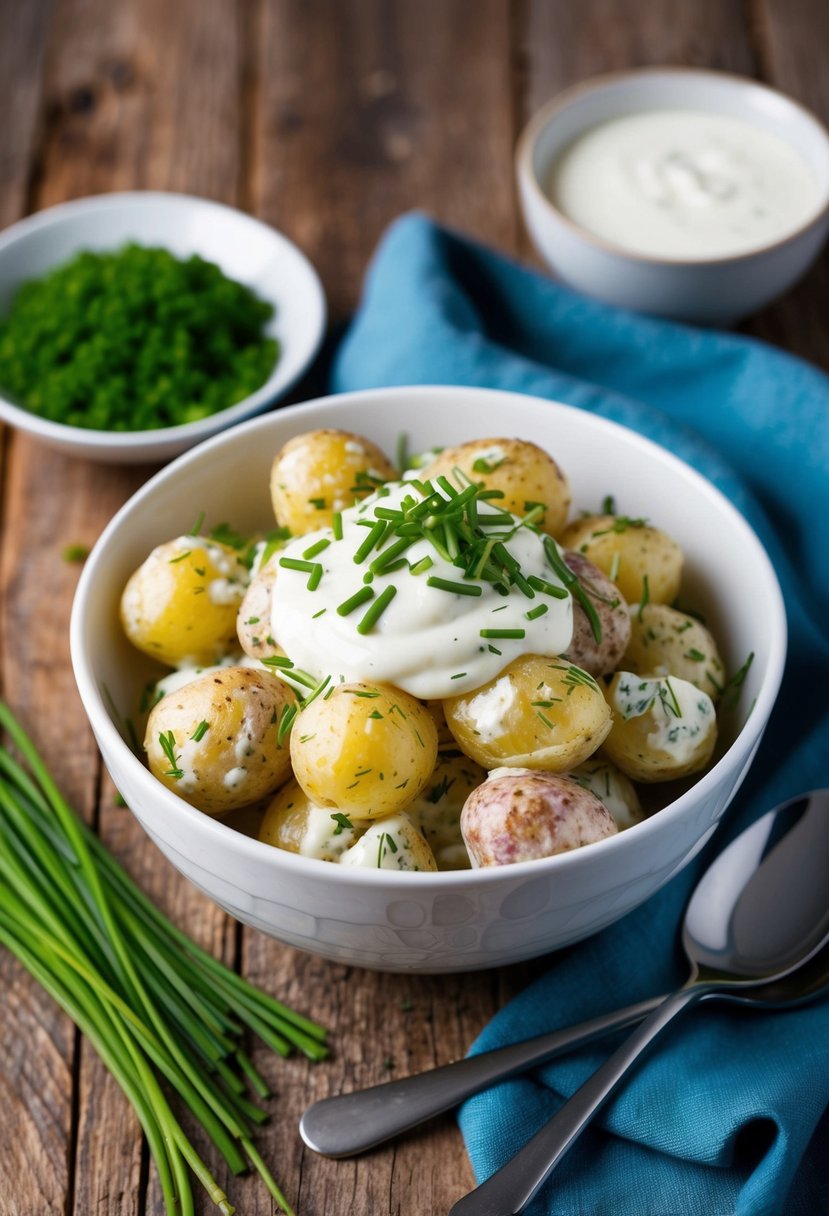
716,291
244,248
448,921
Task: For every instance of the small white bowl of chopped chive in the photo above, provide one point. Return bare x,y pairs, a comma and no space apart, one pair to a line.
133,326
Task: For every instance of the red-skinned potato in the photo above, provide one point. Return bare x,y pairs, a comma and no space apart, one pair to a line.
602,656
523,815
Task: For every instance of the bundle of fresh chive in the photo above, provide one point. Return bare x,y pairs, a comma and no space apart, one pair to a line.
155,1006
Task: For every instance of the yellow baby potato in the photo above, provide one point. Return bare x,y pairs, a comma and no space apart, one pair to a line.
524,473
663,727
539,713
612,788
366,749
391,843
180,605
437,810
214,742
253,621
294,823
665,642
321,472
628,551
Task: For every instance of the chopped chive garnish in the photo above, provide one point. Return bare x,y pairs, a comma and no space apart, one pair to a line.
277,660
541,584
425,563
318,614
295,563
646,596
536,612
458,675
317,503
197,526
167,743
376,610
573,585
376,532
314,577
337,525
695,655
545,719
180,557
317,547
286,719
355,600
200,731
446,584
503,633
391,554
494,649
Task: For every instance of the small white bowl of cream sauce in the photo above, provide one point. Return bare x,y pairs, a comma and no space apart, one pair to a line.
679,192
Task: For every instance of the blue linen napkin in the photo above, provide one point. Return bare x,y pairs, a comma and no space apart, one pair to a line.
729,1114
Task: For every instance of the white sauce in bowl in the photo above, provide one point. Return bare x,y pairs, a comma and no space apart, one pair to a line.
684,184
429,641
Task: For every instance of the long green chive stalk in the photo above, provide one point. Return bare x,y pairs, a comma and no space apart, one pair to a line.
156,1007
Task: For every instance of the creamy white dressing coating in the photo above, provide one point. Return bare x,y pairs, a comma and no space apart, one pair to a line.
488,709
677,734
188,672
392,843
684,184
324,837
612,789
428,641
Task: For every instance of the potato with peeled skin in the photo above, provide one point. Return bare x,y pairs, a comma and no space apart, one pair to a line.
365,749
628,551
180,605
663,727
602,656
522,815
539,713
321,472
524,473
253,621
214,742
665,642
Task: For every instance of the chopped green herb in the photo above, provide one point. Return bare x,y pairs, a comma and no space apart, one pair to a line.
75,553
200,731
342,821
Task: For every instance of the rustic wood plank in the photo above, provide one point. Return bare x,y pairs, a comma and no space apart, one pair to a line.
791,40
368,109
25,28
141,94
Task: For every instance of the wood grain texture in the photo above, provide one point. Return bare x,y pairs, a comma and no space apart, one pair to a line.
371,108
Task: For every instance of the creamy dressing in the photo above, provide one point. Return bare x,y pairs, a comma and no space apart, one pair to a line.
679,713
392,843
325,838
428,640
488,710
684,184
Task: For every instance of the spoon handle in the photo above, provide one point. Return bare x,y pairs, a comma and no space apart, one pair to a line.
350,1123
510,1189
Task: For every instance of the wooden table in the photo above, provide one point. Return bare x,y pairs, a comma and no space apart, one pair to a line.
326,118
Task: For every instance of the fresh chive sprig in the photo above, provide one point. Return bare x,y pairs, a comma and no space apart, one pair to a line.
155,1006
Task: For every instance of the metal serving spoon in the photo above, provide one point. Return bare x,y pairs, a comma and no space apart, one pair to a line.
759,913
346,1124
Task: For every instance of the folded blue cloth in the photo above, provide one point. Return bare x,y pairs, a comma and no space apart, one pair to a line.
728,1115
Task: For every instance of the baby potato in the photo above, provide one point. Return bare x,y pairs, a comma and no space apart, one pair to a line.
663,727
294,823
525,474
600,657
521,815
628,550
180,605
665,642
539,713
437,810
366,749
390,843
612,788
214,741
321,472
253,621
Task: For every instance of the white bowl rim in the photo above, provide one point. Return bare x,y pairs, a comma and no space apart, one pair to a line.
186,432
556,105
101,719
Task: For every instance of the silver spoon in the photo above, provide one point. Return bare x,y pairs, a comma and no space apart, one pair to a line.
346,1124
353,1123
759,913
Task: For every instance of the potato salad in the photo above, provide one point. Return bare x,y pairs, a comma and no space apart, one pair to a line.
424,668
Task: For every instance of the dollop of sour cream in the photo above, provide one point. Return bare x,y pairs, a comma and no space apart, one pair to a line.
684,184
430,641
678,712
